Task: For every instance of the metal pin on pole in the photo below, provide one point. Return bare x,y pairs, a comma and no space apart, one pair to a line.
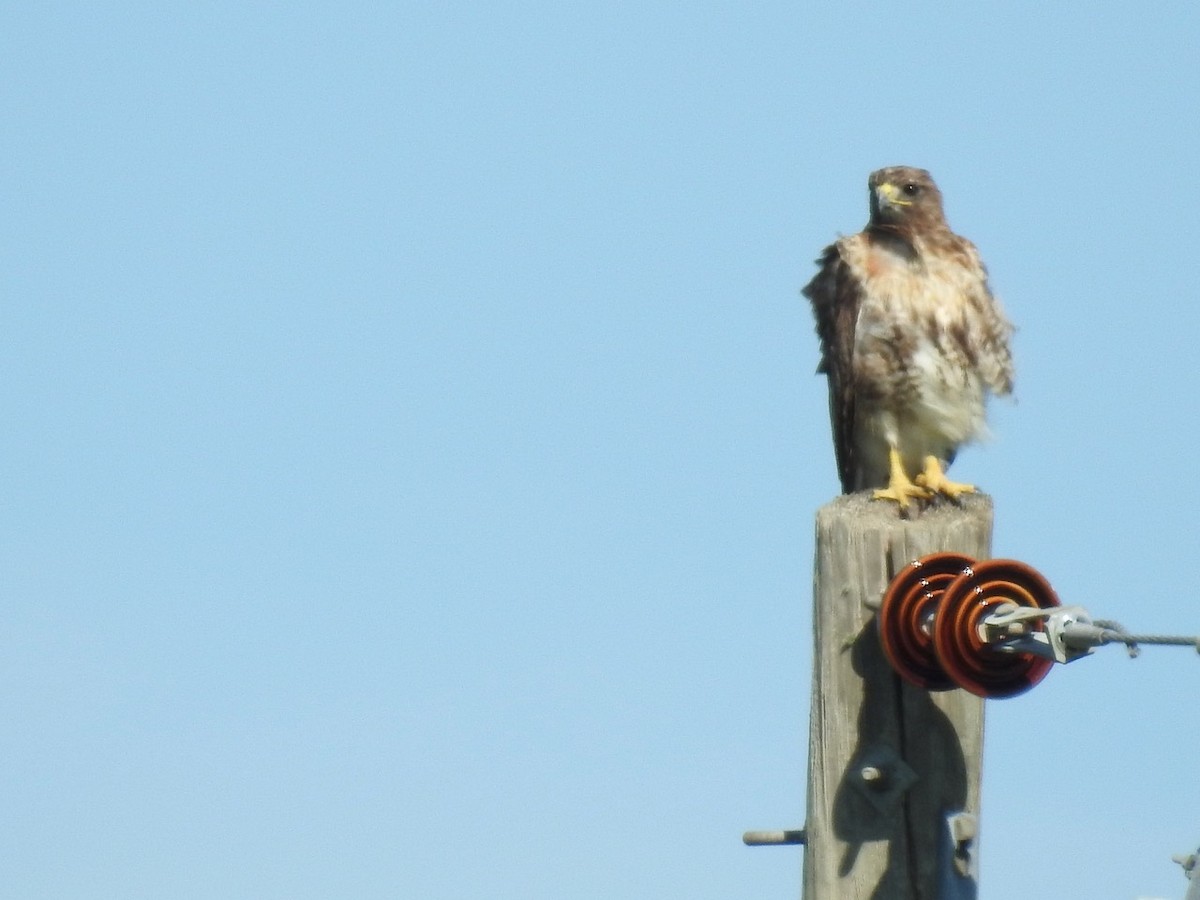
774,838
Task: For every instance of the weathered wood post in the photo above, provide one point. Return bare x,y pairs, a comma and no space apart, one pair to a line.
894,770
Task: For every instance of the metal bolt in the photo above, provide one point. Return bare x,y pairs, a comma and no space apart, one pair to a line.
874,777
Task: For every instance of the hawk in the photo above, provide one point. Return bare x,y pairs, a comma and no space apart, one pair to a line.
912,343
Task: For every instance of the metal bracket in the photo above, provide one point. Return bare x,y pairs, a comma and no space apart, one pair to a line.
1065,638
963,828
1190,869
959,874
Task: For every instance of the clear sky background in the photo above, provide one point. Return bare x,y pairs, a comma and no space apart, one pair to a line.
412,442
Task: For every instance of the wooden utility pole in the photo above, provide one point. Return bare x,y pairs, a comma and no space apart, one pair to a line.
894,770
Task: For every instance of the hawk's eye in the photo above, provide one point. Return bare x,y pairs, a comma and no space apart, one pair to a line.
912,189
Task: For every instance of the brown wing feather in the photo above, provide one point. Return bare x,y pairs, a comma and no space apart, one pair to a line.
835,296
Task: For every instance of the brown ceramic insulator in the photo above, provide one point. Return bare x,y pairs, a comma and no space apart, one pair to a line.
906,615
966,602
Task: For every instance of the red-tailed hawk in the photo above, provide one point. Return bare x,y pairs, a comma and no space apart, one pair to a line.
912,342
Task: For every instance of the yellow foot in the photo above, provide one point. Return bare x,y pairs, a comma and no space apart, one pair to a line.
902,492
935,480
900,488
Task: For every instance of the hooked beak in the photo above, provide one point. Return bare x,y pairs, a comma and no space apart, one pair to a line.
889,195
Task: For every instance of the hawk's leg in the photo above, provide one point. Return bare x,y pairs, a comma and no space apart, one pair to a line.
900,488
935,480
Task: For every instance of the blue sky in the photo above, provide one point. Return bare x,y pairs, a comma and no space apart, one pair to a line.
412,441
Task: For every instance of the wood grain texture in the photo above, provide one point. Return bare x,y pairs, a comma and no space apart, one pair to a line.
875,839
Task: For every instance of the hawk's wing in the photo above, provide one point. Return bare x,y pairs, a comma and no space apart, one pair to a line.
987,340
836,295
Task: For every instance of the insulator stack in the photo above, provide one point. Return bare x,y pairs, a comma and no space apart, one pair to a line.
931,624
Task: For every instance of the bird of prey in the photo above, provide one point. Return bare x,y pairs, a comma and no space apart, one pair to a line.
912,343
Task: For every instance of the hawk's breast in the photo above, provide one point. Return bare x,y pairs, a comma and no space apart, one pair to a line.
912,359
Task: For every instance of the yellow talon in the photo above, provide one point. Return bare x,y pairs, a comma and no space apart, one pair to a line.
934,479
900,487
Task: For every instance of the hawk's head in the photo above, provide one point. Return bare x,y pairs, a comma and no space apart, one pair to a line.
905,199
